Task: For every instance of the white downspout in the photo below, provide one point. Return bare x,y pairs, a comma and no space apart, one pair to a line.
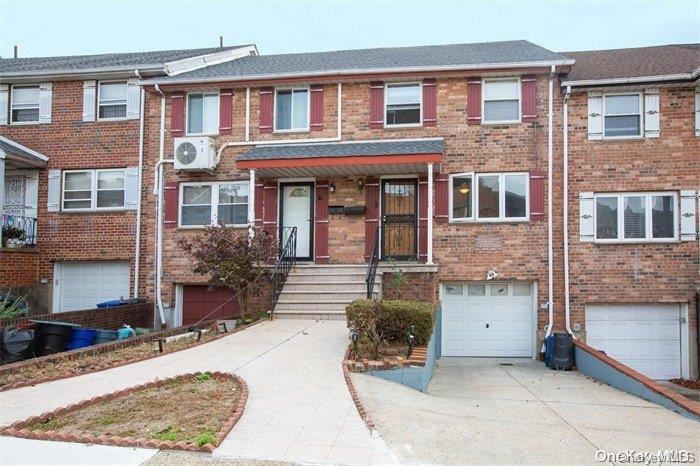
567,310
137,246
550,245
429,260
158,186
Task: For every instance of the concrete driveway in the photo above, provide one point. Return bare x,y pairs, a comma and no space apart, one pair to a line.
485,410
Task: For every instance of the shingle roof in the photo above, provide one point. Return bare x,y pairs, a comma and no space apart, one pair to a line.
660,60
14,148
108,60
372,60
345,149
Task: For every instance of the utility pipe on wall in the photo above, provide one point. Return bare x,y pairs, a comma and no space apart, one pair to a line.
567,310
550,245
158,187
137,242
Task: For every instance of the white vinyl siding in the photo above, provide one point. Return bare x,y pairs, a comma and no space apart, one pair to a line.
204,204
636,217
489,197
202,114
94,190
111,100
501,100
24,104
292,109
403,104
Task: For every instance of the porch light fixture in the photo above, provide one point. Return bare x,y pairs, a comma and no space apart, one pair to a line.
331,187
360,184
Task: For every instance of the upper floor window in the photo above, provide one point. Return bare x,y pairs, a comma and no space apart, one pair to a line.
489,197
633,217
622,115
111,100
25,104
501,100
403,104
291,109
203,204
202,113
93,189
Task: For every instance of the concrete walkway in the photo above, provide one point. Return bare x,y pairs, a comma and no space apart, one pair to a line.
478,411
299,408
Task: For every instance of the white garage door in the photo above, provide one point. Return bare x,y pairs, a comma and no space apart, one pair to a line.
81,285
645,337
488,319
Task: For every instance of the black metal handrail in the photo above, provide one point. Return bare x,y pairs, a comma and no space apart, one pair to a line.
285,261
372,266
18,231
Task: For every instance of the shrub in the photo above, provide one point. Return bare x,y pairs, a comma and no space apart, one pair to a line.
392,318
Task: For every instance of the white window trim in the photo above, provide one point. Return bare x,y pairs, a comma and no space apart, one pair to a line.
93,191
484,81
308,110
38,105
640,99
98,101
214,204
187,113
501,199
647,218
420,103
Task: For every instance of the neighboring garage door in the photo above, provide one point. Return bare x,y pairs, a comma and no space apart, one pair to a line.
488,319
81,285
645,337
200,302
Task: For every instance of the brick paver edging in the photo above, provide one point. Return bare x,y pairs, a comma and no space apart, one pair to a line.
20,428
353,393
418,357
107,347
686,403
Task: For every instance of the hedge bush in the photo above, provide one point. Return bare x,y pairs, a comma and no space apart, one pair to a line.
396,318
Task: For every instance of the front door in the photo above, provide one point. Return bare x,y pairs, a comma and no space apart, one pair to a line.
399,219
296,210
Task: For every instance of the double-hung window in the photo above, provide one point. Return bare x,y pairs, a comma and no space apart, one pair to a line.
501,100
93,189
489,197
204,204
636,217
24,104
202,113
292,109
111,101
403,104
622,115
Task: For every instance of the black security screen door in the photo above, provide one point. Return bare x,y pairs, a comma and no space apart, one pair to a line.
399,219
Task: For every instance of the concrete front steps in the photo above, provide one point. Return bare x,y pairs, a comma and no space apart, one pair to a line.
322,291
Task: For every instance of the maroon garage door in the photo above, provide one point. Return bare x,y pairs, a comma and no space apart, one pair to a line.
199,300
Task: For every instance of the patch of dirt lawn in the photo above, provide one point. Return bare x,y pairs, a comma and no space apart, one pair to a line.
687,383
192,410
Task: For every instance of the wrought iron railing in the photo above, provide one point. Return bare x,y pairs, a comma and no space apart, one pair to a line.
372,266
285,261
18,231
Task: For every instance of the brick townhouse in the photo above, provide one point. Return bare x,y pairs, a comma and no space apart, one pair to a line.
69,150
446,163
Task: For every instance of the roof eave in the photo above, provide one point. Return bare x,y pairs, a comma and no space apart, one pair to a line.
339,73
632,80
101,72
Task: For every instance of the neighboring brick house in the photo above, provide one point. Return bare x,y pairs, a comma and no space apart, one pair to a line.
634,174
69,146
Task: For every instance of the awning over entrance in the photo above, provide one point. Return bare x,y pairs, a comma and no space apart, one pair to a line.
376,157
18,156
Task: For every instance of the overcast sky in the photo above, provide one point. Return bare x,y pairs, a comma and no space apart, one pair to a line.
69,28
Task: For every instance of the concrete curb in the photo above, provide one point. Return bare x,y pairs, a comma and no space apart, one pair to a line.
20,428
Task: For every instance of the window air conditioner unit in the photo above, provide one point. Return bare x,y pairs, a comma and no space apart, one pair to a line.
195,153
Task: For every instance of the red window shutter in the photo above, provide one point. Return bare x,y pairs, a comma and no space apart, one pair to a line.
441,198
423,219
376,105
225,111
267,104
316,108
258,207
269,215
529,96
474,101
177,114
371,214
538,211
429,102
321,223
170,201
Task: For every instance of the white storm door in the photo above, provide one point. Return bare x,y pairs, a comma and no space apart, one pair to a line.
297,212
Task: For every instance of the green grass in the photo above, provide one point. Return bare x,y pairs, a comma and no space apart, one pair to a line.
205,437
51,424
167,434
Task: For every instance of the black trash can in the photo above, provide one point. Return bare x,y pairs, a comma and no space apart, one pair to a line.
17,345
52,337
563,352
